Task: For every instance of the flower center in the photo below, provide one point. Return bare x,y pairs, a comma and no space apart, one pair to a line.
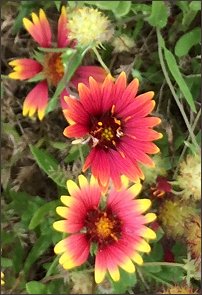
102,227
106,130
53,67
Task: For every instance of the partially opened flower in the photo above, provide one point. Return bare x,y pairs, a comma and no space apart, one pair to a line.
112,225
161,187
49,65
115,121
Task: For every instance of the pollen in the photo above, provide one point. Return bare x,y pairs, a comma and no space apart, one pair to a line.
107,133
105,227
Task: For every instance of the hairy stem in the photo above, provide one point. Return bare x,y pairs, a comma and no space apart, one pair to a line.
100,60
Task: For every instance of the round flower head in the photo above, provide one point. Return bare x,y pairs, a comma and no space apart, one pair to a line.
179,289
89,25
189,177
115,121
122,43
113,226
173,214
193,235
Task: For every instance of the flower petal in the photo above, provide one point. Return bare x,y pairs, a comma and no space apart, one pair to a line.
24,68
36,100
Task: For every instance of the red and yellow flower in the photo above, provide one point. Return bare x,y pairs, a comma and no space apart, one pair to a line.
113,224
114,118
51,66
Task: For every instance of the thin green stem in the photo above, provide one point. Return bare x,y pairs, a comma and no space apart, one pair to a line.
100,59
163,264
192,136
185,146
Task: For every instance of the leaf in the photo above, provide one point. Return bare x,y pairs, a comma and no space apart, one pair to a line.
74,153
173,67
195,5
127,280
187,41
159,14
6,262
35,287
38,249
122,9
73,64
38,77
105,5
48,164
39,215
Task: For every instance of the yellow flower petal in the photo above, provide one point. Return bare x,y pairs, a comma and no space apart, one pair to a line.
60,247
143,205
150,217
115,274
67,200
99,275
125,181
62,211
143,246
59,225
128,266
148,233
72,187
82,181
135,189
137,258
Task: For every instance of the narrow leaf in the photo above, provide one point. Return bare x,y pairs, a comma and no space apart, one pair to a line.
173,67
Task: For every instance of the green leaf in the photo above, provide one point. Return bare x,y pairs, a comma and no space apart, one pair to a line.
195,5
105,5
122,9
127,280
6,262
187,41
159,14
38,249
48,164
39,215
38,77
74,62
74,153
35,287
173,67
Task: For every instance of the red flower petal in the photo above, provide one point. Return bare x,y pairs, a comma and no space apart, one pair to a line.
63,40
24,68
39,28
36,100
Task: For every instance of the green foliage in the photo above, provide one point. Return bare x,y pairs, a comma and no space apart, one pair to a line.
187,41
126,282
35,287
48,164
159,14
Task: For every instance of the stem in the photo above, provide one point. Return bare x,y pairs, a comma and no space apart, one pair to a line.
100,60
174,93
142,279
163,264
185,146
